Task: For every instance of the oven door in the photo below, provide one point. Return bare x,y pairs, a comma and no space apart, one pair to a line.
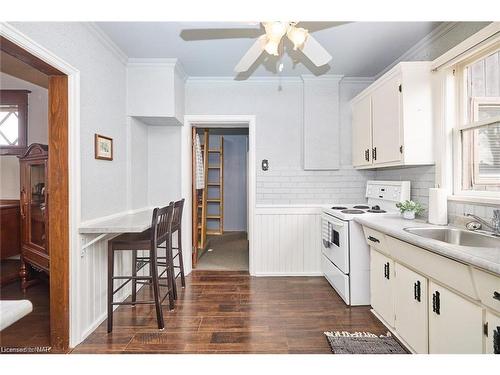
335,241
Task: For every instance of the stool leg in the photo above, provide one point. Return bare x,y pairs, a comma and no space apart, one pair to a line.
110,285
134,274
181,261
156,288
170,273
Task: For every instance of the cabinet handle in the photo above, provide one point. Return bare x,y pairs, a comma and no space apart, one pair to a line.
374,153
416,291
485,329
436,303
386,271
373,239
496,296
367,154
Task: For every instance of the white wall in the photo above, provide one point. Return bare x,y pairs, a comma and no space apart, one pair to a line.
278,106
138,164
102,110
37,131
235,182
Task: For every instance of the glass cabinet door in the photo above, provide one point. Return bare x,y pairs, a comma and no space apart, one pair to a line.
37,204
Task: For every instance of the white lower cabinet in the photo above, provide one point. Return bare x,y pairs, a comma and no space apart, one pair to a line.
381,280
492,333
455,324
410,304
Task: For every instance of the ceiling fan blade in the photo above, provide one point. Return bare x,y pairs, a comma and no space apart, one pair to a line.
315,52
251,55
313,26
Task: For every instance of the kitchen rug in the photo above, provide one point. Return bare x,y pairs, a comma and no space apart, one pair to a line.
363,343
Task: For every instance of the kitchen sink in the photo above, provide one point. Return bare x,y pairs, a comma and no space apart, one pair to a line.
458,237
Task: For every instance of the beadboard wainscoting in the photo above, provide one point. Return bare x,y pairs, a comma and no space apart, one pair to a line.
287,241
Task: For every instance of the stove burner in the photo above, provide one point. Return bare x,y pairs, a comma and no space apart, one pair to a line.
376,207
376,211
362,207
339,208
352,212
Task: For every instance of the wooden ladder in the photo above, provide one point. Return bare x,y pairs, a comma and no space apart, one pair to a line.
218,185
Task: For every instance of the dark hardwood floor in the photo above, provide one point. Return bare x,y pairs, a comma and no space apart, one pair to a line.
34,329
231,312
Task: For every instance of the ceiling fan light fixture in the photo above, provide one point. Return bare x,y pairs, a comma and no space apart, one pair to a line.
276,29
272,46
298,36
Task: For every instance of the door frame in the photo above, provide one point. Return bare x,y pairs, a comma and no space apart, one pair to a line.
63,231
216,121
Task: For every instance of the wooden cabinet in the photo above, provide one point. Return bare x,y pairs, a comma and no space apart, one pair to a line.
492,333
9,227
362,132
410,305
392,118
34,213
455,324
381,286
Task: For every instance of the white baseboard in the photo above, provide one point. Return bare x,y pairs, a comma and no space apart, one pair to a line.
281,274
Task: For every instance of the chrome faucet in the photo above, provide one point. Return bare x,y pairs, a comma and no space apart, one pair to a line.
494,225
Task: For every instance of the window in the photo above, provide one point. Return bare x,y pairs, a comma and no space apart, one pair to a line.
13,121
479,128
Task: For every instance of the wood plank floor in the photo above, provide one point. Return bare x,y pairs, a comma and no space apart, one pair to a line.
34,329
232,312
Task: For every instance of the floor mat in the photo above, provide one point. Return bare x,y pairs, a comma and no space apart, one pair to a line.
363,343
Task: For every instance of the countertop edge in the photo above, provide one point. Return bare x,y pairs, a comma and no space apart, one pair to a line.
468,259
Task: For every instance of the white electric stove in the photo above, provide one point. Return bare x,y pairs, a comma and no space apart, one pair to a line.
346,256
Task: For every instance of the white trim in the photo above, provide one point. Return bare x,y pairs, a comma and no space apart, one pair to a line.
285,274
324,77
161,61
360,80
229,121
232,80
23,41
486,201
482,39
106,41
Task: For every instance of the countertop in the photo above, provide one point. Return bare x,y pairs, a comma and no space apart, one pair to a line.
392,225
134,222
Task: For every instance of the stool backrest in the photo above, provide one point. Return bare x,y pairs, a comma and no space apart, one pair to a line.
161,226
177,219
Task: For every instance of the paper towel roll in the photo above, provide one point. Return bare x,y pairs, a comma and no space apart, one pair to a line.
438,206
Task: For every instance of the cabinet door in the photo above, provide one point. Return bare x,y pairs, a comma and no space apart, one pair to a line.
381,279
410,304
492,333
386,112
455,324
362,132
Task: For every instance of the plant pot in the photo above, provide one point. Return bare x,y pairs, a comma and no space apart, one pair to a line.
409,215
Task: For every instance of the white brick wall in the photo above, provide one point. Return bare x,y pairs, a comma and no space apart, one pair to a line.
422,178
288,186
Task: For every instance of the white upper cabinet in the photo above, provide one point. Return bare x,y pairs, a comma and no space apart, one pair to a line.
321,123
362,131
397,130
155,91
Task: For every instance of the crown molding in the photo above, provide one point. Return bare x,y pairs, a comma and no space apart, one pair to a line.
106,41
231,79
325,77
423,43
147,61
360,80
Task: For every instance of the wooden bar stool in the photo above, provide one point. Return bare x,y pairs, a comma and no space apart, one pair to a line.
160,232
176,227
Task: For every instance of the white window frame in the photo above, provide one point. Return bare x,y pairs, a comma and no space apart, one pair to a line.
462,123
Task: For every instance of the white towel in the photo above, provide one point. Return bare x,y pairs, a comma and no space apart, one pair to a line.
199,171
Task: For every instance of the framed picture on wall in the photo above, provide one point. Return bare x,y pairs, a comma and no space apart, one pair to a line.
103,147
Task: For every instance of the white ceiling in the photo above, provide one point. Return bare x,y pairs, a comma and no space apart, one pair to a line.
360,49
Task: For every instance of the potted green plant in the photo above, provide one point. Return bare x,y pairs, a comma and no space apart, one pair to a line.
409,209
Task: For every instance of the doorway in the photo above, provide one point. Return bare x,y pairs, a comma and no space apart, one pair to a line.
220,211
53,281
221,122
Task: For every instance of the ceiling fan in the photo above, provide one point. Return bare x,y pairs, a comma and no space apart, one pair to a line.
272,40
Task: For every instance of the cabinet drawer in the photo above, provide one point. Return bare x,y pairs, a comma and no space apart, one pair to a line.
488,288
376,240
